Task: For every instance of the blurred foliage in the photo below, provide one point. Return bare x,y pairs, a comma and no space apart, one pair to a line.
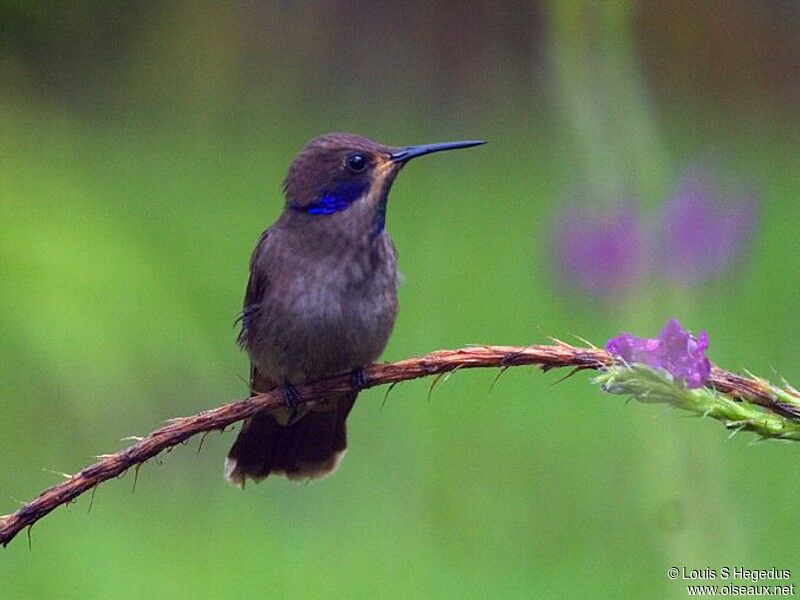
143,150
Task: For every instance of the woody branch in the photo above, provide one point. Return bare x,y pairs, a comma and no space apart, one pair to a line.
733,387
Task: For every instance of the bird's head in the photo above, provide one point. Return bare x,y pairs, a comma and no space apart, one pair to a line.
346,174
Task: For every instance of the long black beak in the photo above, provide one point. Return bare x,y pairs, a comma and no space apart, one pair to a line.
403,155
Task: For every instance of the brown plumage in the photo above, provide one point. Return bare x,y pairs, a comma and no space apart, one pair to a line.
321,300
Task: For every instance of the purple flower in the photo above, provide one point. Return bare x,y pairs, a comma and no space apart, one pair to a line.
675,350
699,234
703,234
599,252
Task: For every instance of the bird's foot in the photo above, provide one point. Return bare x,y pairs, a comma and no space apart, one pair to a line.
292,400
358,377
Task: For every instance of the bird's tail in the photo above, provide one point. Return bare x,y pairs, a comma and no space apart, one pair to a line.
308,448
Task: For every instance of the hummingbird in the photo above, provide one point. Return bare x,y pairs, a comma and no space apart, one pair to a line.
321,301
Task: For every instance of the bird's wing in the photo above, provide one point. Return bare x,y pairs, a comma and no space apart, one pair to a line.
253,304
256,286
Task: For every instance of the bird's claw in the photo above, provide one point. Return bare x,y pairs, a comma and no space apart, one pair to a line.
292,400
358,378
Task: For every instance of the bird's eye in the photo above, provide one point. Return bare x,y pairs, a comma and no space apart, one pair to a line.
356,162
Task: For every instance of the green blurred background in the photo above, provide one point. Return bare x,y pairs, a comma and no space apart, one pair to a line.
142,148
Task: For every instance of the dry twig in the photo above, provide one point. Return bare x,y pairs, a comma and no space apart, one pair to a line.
436,363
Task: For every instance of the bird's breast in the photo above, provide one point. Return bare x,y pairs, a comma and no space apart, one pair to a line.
328,316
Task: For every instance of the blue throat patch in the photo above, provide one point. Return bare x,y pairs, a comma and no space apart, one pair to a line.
336,200
340,198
